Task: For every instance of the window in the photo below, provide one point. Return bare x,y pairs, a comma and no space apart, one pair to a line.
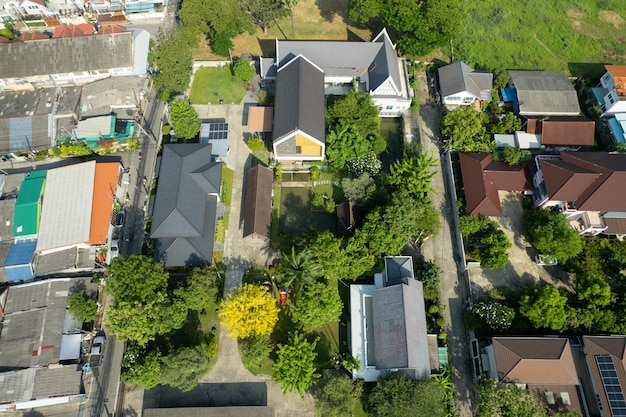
468,100
299,150
388,107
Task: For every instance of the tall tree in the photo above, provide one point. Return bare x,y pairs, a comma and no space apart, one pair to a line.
82,307
291,4
545,307
174,62
298,270
345,144
335,397
183,367
185,119
320,304
265,11
413,173
550,234
418,27
466,130
143,307
295,365
243,69
507,400
249,311
360,189
357,110
201,287
142,368
338,258
399,396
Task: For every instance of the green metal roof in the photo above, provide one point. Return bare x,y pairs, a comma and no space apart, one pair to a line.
28,204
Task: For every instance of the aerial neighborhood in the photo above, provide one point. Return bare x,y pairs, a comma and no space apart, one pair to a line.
223,208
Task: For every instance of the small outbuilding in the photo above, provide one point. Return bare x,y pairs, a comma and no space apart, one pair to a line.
258,211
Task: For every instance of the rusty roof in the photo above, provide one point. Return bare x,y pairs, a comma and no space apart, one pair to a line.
612,346
567,131
592,180
258,208
483,177
260,119
534,360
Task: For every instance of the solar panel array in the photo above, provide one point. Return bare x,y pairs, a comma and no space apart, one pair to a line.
218,131
612,387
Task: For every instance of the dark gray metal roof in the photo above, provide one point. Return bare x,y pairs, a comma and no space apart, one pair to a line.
258,203
400,340
253,411
545,93
398,269
299,101
373,61
459,77
186,204
65,55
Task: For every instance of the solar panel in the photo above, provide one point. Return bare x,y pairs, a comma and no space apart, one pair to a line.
612,386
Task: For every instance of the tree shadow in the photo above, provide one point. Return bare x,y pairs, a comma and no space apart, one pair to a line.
331,8
33,413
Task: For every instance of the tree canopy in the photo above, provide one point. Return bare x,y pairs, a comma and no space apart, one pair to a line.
418,27
550,234
320,304
357,111
185,119
485,241
340,258
183,367
264,12
335,397
250,310
174,62
399,396
202,286
81,306
295,365
244,70
143,307
359,189
494,315
507,400
466,130
142,368
545,306
345,144
413,173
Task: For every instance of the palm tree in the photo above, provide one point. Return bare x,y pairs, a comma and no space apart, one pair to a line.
291,4
299,269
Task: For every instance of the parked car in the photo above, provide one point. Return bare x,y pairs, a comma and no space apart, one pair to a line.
97,347
120,218
114,250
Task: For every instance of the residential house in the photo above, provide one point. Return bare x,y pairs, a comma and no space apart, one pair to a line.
41,344
388,323
186,205
544,366
551,132
541,93
31,120
460,84
258,202
299,129
483,178
373,67
584,186
108,128
611,92
606,363
74,57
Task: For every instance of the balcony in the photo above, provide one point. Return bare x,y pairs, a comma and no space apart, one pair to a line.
588,223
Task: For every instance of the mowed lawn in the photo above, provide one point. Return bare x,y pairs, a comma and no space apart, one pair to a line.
556,35
212,84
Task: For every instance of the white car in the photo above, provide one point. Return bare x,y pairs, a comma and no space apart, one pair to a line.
114,250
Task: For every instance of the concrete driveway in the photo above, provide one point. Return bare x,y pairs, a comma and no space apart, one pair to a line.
521,270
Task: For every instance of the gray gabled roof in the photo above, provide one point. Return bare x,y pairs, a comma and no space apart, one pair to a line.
299,101
186,202
373,62
398,269
459,77
545,93
65,55
400,335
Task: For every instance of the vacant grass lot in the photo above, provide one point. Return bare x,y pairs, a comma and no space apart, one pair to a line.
557,35
212,84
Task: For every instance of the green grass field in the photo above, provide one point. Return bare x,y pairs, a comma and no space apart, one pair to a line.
227,186
212,84
558,35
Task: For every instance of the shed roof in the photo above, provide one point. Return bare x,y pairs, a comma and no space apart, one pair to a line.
299,102
566,131
398,269
67,204
28,204
545,93
260,119
66,55
258,207
399,321
105,184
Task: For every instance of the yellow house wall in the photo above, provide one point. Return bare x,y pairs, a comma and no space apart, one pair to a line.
308,146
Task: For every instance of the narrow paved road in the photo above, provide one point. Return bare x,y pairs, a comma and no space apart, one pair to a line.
441,249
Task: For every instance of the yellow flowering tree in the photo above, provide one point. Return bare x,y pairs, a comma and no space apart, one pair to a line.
249,311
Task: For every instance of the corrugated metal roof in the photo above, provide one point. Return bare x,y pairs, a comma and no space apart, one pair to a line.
545,93
21,252
27,204
66,211
258,203
105,185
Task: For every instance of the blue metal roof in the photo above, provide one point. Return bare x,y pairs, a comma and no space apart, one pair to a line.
18,273
21,253
510,95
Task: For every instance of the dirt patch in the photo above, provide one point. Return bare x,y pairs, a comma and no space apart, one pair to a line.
611,17
575,14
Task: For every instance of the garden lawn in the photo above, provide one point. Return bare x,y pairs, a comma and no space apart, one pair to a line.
212,84
227,186
558,35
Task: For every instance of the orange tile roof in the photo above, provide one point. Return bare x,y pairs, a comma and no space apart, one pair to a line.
82,29
33,36
109,29
103,190
616,70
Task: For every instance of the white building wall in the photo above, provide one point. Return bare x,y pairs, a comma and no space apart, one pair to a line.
463,98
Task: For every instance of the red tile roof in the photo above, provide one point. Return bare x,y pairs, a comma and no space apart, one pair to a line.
567,131
83,29
592,180
616,70
482,178
33,36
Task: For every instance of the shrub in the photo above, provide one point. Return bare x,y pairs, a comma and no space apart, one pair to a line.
256,144
315,173
495,315
254,349
220,230
278,172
